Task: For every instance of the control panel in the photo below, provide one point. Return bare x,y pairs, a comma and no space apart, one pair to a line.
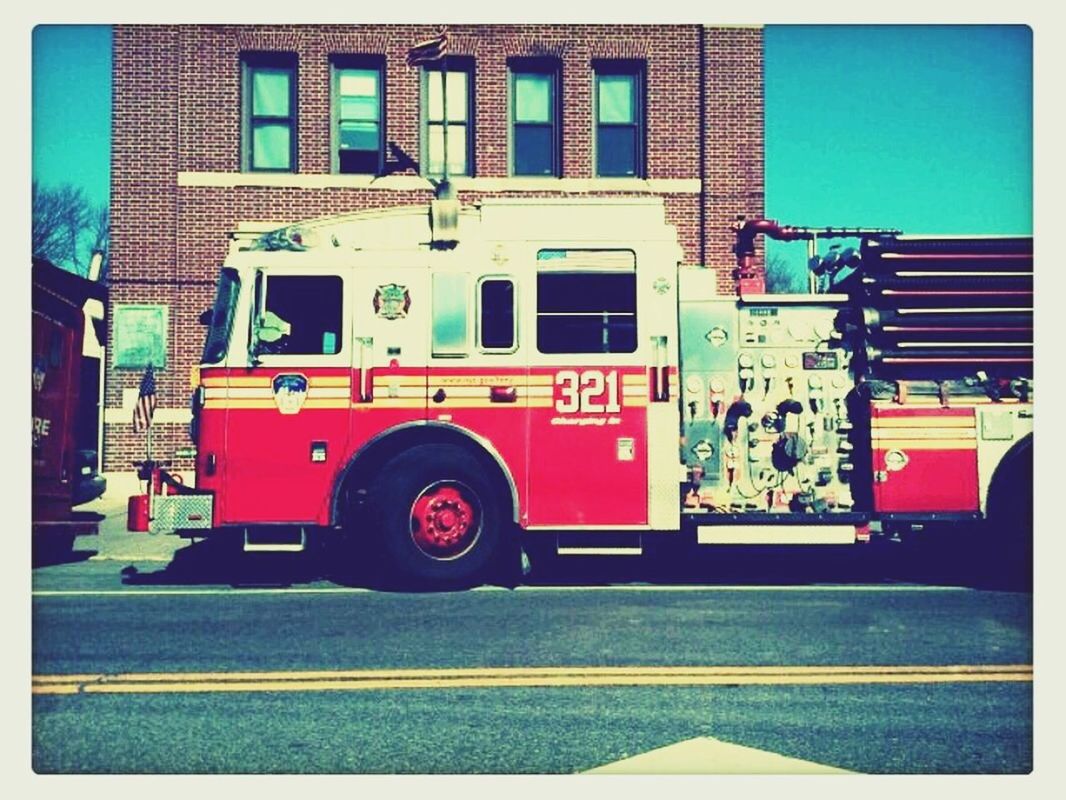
763,392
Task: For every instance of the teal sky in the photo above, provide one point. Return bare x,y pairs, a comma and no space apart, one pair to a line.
924,128
72,107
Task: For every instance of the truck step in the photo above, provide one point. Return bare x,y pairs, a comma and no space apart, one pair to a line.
779,534
599,544
275,540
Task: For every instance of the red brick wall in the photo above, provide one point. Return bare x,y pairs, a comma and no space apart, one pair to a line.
733,149
176,107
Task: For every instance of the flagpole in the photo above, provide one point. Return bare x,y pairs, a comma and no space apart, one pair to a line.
151,470
444,108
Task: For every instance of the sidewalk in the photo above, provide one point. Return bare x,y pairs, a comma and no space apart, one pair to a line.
114,542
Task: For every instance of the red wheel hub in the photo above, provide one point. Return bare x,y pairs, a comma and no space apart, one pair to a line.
445,520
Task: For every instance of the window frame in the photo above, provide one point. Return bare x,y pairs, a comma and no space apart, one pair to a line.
479,306
260,291
637,70
338,64
553,68
464,64
258,60
582,271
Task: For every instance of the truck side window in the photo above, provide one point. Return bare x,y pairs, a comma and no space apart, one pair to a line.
451,337
311,308
586,301
496,321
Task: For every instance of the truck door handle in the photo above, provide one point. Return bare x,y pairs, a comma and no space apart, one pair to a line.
660,371
366,378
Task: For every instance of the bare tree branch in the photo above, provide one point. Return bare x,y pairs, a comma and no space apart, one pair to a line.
783,278
65,225
100,236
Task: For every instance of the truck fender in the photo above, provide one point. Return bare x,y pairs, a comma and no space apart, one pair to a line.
400,437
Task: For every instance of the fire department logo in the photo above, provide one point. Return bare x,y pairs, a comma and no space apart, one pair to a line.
38,374
391,301
290,391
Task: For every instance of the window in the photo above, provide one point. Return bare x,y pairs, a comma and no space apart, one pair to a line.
460,108
586,301
619,103
358,128
496,328
535,114
302,315
450,328
269,101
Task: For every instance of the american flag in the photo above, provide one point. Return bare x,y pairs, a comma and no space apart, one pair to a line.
430,50
142,412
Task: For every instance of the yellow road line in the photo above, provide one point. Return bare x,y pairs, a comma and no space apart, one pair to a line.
492,677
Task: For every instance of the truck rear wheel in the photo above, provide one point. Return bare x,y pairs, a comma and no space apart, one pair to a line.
1008,528
438,514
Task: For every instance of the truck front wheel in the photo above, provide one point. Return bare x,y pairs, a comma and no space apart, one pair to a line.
438,515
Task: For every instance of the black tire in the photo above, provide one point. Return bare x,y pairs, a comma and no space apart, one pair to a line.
1008,528
439,515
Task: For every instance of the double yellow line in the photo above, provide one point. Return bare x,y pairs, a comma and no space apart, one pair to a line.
497,677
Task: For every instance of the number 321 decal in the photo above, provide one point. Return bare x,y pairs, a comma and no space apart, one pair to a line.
583,393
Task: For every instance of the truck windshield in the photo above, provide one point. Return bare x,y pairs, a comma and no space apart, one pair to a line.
222,314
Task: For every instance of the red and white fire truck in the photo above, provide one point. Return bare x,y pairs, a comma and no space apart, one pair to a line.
435,381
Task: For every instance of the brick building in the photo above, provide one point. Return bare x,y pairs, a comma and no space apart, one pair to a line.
216,125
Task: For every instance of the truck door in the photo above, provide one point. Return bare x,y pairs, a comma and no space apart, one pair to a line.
288,412
588,451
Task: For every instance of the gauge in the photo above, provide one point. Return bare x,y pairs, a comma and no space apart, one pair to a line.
717,385
768,361
815,381
745,360
895,460
718,336
839,382
693,384
792,361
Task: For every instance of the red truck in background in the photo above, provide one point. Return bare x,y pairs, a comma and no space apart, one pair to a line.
64,458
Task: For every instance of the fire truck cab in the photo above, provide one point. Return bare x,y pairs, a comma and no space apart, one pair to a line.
362,372
433,383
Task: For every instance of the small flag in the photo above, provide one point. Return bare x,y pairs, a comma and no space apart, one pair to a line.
142,412
429,50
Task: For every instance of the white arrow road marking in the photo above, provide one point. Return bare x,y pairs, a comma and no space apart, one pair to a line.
708,756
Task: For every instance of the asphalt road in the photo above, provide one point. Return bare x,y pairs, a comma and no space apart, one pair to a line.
312,642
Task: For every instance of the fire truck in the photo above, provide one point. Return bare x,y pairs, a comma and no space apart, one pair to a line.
439,383
65,388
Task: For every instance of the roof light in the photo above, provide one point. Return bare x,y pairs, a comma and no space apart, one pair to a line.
291,237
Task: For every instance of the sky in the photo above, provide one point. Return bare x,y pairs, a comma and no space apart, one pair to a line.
923,128
71,96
